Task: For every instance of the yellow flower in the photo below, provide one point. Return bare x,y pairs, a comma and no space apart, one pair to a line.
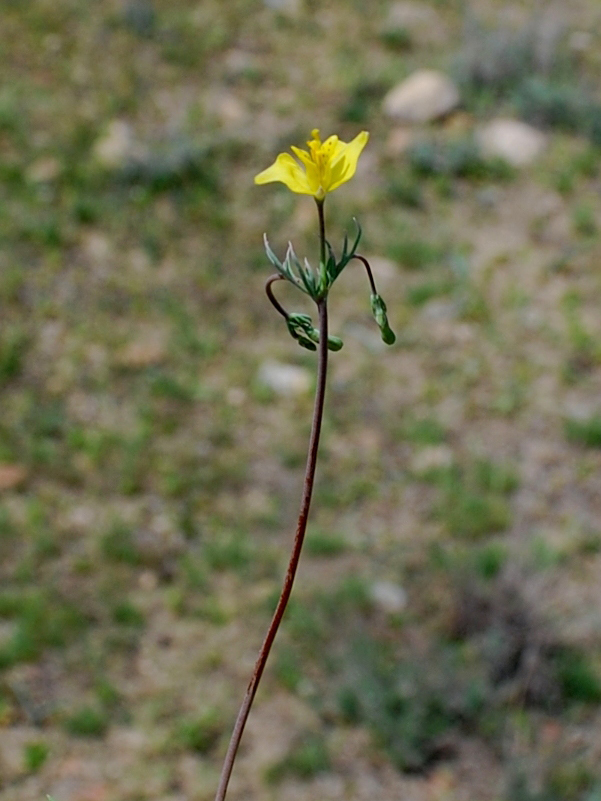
324,168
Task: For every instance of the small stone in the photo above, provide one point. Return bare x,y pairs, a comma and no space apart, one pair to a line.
390,597
425,96
148,581
421,22
81,518
44,170
236,396
433,457
139,261
516,142
116,146
12,476
489,197
97,248
229,110
284,379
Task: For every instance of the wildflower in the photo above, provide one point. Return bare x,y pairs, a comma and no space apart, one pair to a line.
326,166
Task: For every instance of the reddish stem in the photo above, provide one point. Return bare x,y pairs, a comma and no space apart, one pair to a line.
322,368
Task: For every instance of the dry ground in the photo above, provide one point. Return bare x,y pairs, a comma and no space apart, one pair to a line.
444,641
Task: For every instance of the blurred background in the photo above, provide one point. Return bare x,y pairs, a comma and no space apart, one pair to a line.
444,638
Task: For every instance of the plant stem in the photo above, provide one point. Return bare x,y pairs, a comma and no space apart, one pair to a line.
272,298
370,275
322,368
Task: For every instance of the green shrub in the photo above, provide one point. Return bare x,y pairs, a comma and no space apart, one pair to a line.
87,722
457,158
585,432
579,682
34,756
322,543
424,431
560,105
473,501
201,734
118,544
127,614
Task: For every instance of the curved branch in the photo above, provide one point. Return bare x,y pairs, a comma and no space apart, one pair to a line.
272,298
370,275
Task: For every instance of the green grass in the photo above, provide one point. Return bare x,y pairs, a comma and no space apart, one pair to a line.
406,708
584,220
201,734
584,432
474,501
118,545
154,521
490,559
35,755
579,681
324,543
13,349
88,721
560,104
421,293
40,620
361,101
288,668
228,551
424,431
415,254
127,614
456,158
405,188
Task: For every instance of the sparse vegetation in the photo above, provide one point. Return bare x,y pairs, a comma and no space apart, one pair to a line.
305,760
149,479
34,756
87,722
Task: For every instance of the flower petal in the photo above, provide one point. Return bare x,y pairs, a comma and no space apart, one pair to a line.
323,168
345,163
289,172
330,148
313,176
